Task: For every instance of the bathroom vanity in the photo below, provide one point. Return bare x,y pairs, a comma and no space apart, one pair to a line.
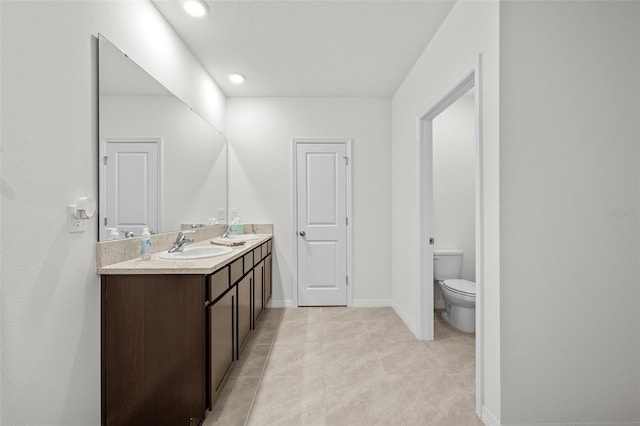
172,331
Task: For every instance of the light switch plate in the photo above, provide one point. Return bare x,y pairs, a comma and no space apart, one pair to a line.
222,216
75,224
235,214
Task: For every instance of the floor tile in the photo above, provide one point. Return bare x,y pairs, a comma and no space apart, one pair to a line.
467,384
455,355
406,358
442,330
295,360
351,359
232,407
361,400
344,332
340,313
389,332
308,315
298,332
432,399
348,366
291,401
377,314
264,333
252,361
271,315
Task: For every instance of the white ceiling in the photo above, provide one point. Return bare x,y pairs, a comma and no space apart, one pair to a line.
307,47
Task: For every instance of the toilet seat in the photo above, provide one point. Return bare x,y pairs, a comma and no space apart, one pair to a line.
461,287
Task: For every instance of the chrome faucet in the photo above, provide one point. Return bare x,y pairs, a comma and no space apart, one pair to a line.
226,233
181,241
230,228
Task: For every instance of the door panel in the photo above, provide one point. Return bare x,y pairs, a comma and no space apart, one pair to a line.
222,342
322,223
132,186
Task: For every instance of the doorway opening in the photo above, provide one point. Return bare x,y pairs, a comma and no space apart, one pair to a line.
467,81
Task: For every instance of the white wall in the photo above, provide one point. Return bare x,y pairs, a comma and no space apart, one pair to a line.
260,133
569,181
454,179
469,29
50,328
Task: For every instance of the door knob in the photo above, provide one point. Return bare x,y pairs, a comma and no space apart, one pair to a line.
302,233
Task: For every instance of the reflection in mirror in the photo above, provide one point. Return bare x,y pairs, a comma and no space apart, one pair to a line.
162,166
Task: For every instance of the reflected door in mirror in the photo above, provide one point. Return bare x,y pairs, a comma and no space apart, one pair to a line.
132,184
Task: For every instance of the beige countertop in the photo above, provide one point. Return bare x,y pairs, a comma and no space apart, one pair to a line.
156,265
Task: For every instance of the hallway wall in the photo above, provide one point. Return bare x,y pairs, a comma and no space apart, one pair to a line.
570,192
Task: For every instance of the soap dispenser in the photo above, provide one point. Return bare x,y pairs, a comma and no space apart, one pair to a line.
145,244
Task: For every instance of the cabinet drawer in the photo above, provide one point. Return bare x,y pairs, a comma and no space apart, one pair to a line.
265,250
257,255
218,284
236,270
269,246
248,262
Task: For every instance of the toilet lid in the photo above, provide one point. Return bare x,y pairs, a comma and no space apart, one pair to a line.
461,286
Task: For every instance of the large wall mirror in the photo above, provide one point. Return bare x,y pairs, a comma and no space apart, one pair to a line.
162,166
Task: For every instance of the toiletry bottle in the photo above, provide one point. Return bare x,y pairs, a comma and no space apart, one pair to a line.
112,234
145,244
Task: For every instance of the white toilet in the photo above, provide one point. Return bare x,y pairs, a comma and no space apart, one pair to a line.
459,295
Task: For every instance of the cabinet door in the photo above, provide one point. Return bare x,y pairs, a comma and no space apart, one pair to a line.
220,317
244,309
268,286
258,290
153,350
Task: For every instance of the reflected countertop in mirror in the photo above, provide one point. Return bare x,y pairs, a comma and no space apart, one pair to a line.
161,164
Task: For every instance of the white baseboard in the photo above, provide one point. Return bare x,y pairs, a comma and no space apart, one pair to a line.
280,304
411,325
359,303
371,303
488,418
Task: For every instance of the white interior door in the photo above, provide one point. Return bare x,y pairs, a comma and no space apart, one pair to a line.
132,179
321,201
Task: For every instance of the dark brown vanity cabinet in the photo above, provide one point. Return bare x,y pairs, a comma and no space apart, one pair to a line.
244,310
221,336
169,342
268,282
153,350
258,290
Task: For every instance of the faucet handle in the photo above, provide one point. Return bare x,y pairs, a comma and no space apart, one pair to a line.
182,236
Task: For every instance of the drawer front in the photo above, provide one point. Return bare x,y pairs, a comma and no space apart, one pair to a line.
248,262
218,283
257,255
265,250
236,270
269,246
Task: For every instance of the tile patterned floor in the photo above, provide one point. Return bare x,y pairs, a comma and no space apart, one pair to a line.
349,366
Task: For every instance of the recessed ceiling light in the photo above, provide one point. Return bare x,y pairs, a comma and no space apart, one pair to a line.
236,78
195,8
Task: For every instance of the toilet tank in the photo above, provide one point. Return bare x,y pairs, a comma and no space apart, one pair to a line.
447,264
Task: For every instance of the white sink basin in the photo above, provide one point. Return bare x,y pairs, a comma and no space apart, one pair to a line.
243,237
197,253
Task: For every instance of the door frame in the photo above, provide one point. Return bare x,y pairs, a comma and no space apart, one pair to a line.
102,179
294,211
468,78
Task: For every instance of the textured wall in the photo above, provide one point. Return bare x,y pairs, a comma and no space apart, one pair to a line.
50,326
